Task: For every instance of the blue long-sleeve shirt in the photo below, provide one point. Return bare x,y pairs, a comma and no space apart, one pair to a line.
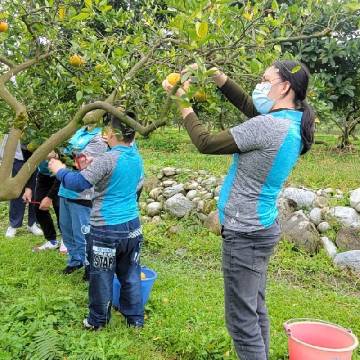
73,180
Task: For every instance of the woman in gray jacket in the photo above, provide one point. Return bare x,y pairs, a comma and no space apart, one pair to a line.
265,149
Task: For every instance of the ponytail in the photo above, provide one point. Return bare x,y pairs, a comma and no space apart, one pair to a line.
299,80
307,127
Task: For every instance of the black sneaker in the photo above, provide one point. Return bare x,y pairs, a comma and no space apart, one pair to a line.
137,324
70,269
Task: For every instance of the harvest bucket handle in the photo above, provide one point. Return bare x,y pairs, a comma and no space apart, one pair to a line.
288,330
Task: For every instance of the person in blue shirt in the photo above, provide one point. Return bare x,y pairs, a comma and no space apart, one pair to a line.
115,235
75,206
265,149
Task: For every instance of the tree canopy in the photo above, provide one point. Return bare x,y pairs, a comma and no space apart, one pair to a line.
61,59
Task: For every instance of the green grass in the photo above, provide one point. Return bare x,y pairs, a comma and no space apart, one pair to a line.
42,310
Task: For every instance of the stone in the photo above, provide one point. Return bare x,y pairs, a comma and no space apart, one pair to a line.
316,216
154,208
155,193
167,183
346,216
145,219
192,185
160,176
348,238
216,198
329,246
323,227
355,199
178,205
150,183
207,196
174,229
173,190
217,190
321,192
156,219
202,172
179,171
321,201
212,222
195,200
202,217
149,200
304,198
169,171
200,206
300,231
192,194
180,252
348,259
329,191
211,181
286,208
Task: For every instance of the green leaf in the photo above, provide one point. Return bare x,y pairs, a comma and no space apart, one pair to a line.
82,16
88,3
79,95
201,29
296,69
274,5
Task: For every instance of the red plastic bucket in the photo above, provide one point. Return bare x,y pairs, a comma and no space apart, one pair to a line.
318,340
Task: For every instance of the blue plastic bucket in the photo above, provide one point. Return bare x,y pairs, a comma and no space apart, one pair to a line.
146,286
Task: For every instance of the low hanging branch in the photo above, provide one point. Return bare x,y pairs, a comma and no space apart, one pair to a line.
12,187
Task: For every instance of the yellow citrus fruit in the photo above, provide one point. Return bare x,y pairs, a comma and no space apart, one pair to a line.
143,276
200,96
173,78
61,12
3,26
76,60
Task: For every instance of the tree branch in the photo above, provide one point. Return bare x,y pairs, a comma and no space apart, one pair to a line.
21,67
8,156
326,32
6,61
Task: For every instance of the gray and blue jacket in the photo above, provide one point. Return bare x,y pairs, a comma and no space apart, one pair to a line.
265,149
115,176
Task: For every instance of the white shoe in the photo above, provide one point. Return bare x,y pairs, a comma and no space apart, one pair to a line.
63,249
46,246
10,232
34,229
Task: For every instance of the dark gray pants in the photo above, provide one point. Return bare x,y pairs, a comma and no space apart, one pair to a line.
245,262
17,206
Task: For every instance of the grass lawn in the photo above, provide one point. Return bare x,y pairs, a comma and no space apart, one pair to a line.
42,310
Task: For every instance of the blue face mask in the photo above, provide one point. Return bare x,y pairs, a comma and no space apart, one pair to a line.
262,102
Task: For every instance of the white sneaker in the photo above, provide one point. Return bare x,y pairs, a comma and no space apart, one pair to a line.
63,249
34,229
10,232
46,246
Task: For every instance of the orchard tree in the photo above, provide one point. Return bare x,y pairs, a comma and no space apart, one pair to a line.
335,62
64,63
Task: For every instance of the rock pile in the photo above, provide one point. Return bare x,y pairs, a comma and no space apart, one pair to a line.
305,215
